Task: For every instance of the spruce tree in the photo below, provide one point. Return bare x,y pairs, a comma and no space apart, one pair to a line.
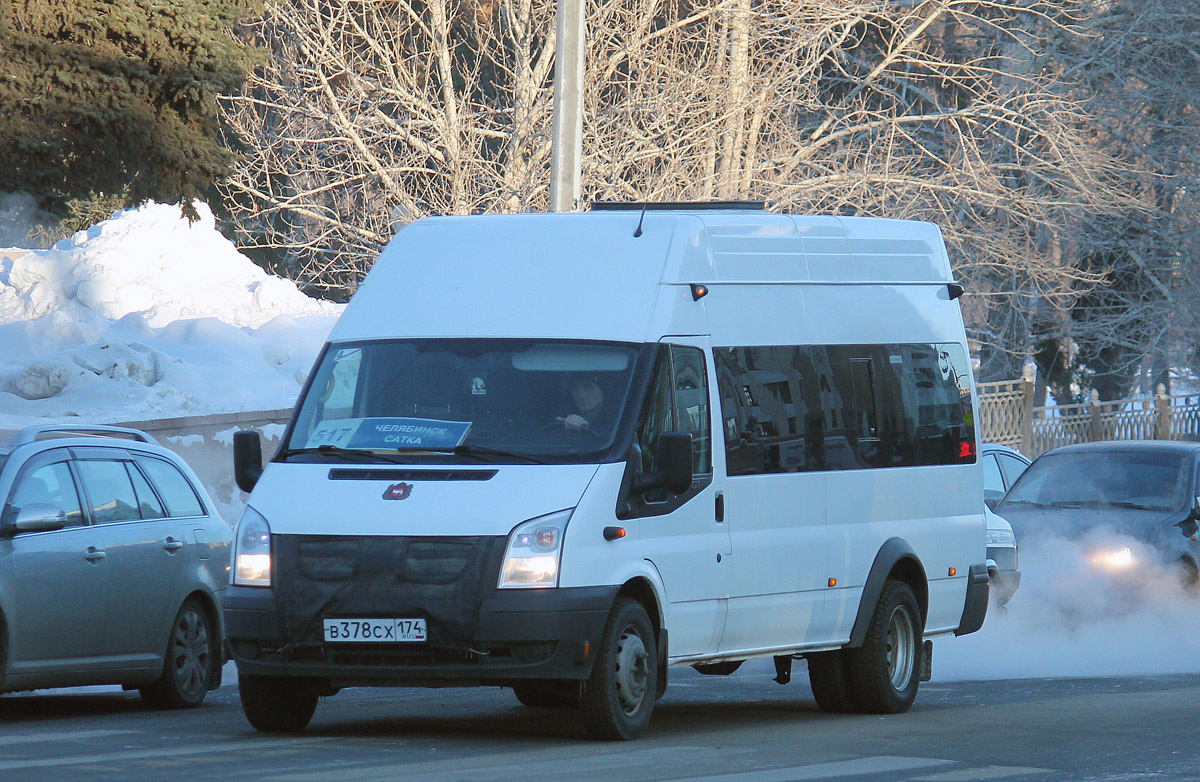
116,99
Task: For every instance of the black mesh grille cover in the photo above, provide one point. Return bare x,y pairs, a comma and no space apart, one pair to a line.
440,579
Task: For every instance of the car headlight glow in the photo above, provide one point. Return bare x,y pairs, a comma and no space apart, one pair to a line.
531,559
252,550
1114,559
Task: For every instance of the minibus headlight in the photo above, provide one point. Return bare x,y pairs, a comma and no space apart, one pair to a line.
532,557
252,550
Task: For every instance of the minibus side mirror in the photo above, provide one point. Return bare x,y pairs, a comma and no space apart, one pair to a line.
247,459
674,471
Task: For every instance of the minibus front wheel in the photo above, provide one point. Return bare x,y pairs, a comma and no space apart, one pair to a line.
619,696
272,703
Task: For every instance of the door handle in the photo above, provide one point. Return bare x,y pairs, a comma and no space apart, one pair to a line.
720,509
93,554
171,545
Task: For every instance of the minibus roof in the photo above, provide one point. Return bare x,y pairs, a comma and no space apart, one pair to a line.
593,275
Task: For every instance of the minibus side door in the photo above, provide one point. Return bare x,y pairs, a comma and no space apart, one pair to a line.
684,536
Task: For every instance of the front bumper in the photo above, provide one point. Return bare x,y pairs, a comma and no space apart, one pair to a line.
519,634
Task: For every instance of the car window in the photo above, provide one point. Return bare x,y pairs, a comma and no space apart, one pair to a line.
993,480
1011,466
1144,479
109,489
148,503
50,484
173,487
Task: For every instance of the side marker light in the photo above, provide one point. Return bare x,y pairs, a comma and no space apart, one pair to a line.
954,571
614,533
699,291
832,582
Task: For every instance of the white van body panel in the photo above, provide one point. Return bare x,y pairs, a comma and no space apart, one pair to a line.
786,566
515,494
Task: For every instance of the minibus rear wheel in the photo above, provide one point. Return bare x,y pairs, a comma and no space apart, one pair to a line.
829,675
886,670
619,696
548,693
272,704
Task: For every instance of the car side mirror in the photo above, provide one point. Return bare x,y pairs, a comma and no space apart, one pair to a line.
39,517
674,471
1188,526
247,459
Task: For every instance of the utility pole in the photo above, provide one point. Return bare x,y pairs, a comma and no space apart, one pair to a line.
566,154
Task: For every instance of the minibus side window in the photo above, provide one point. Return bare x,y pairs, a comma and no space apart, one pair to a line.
691,404
677,402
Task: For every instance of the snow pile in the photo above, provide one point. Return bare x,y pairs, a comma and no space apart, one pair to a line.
147,316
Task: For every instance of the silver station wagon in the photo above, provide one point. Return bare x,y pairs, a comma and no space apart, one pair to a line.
113,560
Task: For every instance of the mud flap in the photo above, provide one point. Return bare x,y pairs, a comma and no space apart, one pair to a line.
927,662
783,669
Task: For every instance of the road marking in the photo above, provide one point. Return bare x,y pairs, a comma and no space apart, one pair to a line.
841,768
987,772
154,754
541,764
551,765
72,735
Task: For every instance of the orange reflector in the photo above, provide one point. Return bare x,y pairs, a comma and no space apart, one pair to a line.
833,582
954,571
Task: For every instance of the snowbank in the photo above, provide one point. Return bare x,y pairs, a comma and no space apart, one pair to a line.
147,316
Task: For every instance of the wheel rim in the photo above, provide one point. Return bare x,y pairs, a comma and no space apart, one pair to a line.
632,671
901,650
190,652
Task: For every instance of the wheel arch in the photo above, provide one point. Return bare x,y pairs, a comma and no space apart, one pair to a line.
897,560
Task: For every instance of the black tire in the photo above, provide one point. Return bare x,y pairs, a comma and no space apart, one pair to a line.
886,671
1189,576
549,694
190,662
272,704
619,696
829,676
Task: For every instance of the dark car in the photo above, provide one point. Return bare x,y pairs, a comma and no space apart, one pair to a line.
1144,489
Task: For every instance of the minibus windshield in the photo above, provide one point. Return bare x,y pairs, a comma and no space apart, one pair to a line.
496,400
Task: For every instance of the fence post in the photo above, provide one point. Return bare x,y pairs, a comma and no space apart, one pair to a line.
1162,413
1096,424
1026,422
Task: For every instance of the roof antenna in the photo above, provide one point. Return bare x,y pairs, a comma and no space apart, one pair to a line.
638,232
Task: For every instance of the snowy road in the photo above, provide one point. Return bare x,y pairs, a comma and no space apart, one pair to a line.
742,728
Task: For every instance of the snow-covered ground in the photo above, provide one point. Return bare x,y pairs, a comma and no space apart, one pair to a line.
145,316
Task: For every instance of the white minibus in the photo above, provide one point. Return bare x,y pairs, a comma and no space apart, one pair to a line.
565,453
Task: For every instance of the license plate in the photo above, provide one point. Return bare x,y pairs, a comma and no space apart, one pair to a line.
375,631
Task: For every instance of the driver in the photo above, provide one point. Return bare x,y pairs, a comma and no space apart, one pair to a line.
588,399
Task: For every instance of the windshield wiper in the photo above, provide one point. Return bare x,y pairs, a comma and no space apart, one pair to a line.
476,451
344,453
1030,503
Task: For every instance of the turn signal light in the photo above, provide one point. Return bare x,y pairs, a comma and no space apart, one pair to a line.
833,582
954,571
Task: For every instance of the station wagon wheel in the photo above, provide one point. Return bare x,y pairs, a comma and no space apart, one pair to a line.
276,704
619,696
885,671
190,661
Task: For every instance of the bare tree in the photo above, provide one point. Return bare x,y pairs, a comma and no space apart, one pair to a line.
372,113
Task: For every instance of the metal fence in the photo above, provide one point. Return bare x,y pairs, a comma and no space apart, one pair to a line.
1007,416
